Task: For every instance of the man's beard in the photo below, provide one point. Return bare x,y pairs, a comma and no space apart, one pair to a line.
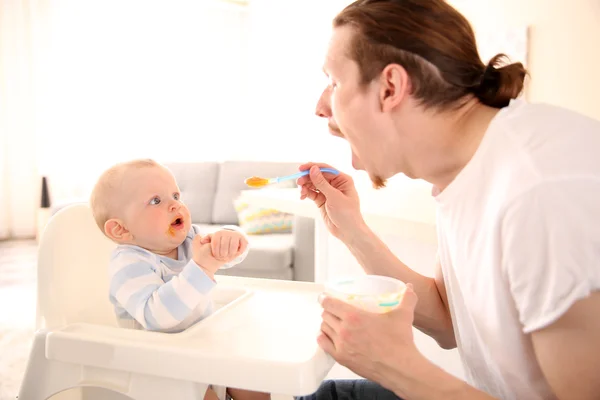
378,182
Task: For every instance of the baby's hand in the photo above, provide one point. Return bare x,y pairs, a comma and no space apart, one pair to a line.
203,255
227,244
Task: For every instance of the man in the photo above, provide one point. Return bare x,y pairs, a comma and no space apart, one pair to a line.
518,193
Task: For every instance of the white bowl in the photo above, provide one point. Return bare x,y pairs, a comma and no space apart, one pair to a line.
372,293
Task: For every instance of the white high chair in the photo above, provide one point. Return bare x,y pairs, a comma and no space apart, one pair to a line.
262,335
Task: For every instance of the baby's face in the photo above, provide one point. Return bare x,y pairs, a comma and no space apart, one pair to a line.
154,214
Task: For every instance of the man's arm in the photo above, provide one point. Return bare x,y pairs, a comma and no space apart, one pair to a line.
431,314
568,351
550,258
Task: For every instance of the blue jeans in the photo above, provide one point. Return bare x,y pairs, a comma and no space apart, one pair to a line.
351,389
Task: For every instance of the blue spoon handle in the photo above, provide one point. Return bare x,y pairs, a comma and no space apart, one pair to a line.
305,172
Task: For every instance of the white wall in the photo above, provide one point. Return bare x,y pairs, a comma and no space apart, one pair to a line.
138,79
287,44
191,81
564,51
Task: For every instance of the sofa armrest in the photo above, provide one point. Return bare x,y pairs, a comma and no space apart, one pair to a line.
304,249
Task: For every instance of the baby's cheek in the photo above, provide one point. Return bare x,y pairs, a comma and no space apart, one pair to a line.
155,222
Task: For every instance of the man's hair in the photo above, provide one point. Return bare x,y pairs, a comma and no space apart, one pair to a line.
106,190
435,44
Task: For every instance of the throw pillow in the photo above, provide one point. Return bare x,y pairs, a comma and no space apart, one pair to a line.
259,221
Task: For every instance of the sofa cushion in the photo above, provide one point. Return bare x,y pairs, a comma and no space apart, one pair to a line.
267,252
231,182
198,185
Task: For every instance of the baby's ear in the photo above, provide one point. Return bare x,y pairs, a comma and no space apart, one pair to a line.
115,230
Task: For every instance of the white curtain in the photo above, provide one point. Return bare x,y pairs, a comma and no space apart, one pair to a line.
22,38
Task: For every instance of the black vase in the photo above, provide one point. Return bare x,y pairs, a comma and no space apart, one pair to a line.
45,203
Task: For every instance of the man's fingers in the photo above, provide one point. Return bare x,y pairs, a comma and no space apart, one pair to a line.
306,179
326,344
329,331
331,320
320,182
306,190
409,298
303,180
307,185
309,191
318,198
308,165
336,307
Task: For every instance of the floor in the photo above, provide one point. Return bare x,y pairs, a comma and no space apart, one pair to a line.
17,315
18,260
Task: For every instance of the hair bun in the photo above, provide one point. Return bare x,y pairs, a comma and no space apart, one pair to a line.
500,84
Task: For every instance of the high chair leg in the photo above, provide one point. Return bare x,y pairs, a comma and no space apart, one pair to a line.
43,378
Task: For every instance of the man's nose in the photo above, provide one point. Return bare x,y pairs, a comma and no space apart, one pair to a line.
323,105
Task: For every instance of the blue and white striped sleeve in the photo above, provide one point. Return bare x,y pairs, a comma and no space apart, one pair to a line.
157,305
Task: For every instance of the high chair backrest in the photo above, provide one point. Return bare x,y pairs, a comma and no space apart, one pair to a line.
73,262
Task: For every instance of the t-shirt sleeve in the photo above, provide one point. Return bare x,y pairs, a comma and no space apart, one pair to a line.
551,249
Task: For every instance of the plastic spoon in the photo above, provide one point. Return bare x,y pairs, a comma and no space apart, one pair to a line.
258,182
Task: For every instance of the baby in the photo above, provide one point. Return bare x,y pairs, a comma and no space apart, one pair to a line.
162,271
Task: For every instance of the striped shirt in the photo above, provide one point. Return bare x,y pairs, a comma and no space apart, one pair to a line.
158,293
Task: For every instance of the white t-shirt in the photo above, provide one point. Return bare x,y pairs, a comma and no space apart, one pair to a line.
519,241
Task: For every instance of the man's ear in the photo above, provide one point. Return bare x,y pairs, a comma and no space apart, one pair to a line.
115,230
395,86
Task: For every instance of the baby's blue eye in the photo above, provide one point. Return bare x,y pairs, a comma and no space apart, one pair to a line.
176,196
155,201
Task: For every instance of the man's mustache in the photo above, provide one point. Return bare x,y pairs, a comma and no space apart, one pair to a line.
334,128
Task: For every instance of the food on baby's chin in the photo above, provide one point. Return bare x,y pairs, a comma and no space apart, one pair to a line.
175,225
256,181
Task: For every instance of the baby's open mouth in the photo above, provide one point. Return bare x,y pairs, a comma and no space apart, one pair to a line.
177,222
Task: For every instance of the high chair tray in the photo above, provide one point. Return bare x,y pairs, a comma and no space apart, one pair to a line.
261,337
